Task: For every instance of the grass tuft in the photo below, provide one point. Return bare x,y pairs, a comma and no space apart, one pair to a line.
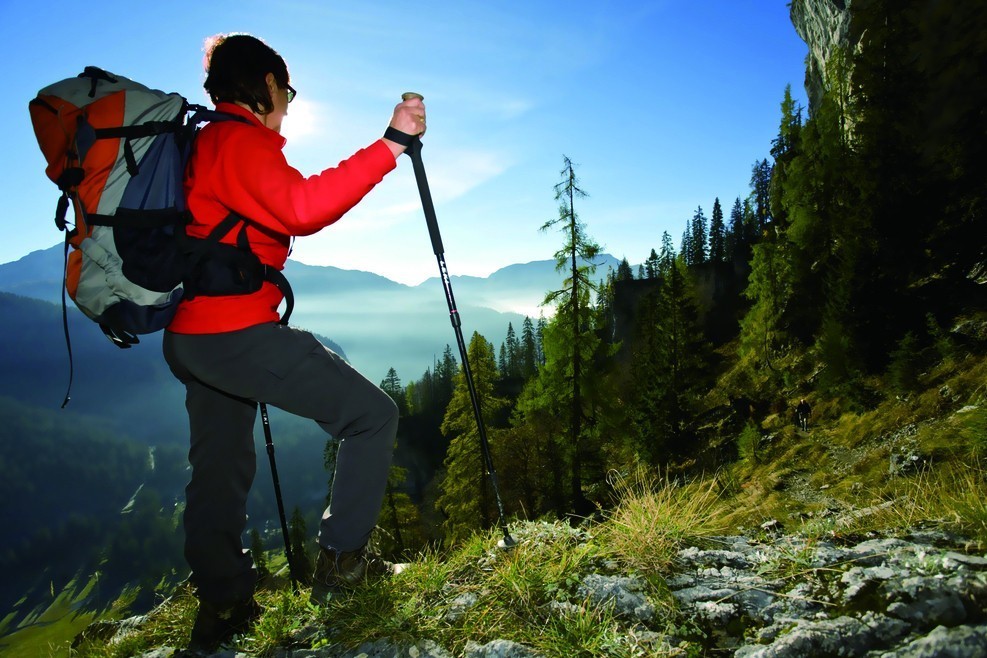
655,518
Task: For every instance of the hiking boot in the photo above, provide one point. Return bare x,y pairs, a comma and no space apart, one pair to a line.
216,624
336,572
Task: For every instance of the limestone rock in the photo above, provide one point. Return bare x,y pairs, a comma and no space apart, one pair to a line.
824,25
500,649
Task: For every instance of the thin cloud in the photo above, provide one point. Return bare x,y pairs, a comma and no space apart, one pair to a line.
459,171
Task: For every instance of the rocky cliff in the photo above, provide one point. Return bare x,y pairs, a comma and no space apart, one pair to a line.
824,25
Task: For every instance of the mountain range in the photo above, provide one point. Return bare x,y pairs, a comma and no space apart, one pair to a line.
378,323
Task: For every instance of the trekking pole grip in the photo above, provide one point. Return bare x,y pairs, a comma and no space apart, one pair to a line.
416,143
414,151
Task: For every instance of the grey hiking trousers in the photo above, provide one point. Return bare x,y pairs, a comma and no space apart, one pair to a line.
226,375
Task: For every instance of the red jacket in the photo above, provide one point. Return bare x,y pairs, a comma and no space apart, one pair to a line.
240,167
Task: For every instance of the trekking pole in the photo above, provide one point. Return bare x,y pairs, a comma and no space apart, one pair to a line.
265,421
414,151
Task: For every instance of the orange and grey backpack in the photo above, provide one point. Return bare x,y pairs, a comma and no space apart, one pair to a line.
117,151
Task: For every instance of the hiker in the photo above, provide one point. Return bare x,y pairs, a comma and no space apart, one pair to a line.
231,352
802,413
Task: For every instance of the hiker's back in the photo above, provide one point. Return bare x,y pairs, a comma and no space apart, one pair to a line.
215,183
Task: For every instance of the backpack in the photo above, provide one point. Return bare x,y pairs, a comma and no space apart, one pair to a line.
117,151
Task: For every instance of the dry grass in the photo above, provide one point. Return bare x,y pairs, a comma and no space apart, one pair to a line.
948,496
655,518
839,476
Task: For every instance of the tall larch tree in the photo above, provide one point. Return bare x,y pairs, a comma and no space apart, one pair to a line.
576,258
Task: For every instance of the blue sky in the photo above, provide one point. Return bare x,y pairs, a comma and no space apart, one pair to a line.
663,106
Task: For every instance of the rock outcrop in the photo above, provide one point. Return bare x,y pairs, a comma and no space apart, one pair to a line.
824,25
797,597
769,596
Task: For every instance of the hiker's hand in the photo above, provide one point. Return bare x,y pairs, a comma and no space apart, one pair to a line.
409,118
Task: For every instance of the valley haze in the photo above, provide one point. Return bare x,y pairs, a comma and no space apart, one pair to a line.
379,323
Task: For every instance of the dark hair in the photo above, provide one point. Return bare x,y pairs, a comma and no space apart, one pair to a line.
236,68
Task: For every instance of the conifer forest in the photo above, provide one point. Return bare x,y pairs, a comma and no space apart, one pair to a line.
860,243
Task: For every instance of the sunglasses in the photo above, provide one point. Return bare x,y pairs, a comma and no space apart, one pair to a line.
291,92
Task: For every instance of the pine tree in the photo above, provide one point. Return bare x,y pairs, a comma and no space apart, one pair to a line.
576,257
669,366
412,397
521,455
761,194
752,228
529,349
686,351
540,340
819,200
605,322
785,148
767,330
512,362
538,431
298,538
400,521
419,396
717,234
647,379
952,140
443,380
667,256
763,333
391,384
736,247
624,272
466,500
688,244
698,238
651,265
257,552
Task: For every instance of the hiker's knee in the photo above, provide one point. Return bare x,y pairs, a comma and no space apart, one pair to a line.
388,411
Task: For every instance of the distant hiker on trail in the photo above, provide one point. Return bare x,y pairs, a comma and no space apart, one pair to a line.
802,413
232,353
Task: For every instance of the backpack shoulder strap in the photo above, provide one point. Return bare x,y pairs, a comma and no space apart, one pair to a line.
201,114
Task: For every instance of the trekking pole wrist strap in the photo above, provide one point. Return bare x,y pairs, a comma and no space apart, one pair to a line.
398,137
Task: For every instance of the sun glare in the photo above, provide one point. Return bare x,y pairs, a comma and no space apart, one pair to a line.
302,121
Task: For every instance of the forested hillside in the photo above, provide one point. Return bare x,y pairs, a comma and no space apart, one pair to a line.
857,260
